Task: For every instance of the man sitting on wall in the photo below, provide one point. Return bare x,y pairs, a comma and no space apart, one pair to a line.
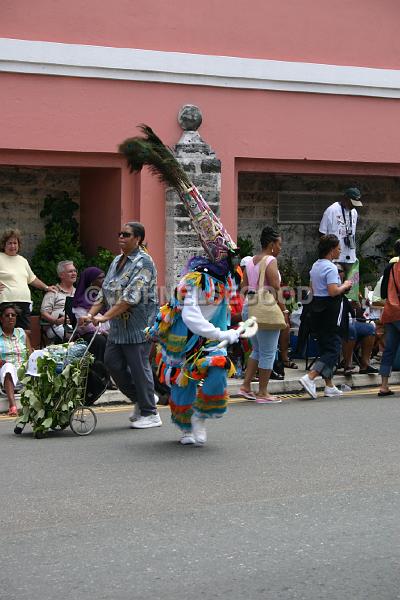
53,304
360,332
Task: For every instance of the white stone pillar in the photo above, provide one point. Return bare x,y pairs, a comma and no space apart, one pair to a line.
204,170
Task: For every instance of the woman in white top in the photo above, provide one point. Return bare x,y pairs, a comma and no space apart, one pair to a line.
16,276
265,343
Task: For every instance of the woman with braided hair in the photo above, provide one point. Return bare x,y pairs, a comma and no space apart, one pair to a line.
265,343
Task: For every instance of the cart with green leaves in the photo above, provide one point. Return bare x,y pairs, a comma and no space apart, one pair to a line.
55,390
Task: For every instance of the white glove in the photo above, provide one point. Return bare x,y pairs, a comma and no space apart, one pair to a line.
231,336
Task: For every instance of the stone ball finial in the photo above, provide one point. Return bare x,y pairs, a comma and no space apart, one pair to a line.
190,117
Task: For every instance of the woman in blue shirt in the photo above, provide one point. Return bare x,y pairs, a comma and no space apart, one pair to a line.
128,299
327,315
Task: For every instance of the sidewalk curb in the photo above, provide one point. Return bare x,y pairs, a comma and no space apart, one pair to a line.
287,386
292,385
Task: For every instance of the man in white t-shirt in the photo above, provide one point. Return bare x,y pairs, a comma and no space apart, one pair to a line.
340,218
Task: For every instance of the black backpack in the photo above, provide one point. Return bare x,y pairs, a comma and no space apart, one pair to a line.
385,280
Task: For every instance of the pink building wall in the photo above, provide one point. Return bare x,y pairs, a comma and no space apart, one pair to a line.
341,32
54,120
92,116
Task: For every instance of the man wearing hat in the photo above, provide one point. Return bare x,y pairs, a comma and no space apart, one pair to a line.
340,218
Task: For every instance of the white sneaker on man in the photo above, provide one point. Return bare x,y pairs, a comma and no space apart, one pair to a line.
199,430
147,422
333,391
309,385
135,414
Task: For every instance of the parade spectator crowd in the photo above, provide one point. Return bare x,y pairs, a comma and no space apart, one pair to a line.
110,304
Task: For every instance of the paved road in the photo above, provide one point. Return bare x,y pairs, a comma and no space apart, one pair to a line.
292,501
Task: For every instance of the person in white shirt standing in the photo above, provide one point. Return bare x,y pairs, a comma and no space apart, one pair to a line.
340,219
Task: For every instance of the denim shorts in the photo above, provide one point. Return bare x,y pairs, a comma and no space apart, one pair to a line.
360,329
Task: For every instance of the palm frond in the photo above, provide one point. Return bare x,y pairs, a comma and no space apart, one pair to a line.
364,237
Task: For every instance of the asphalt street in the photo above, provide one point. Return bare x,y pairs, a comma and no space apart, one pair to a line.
292,501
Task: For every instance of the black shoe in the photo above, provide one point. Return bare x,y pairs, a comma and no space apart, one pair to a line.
111,385
279,367
368,371
276,376
348,371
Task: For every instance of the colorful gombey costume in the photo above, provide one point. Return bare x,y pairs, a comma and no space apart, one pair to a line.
190,327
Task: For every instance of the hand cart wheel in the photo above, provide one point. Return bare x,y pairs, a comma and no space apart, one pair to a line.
83,420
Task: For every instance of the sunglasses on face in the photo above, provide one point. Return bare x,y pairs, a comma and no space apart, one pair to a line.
125,234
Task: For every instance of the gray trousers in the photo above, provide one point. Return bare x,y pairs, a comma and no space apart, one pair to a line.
130,368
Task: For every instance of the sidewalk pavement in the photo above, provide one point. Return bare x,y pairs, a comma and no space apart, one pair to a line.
289,385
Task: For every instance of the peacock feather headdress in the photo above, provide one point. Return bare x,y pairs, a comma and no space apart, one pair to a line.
149,150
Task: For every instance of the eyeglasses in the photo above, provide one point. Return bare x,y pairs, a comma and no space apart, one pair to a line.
124,234
10,316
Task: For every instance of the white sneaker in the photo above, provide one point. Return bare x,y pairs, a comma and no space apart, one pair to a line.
147,422
332,391
309,385
135,414
199,431
187,438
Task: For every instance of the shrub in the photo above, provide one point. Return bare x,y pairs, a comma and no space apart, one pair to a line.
102,259
246,246
61,243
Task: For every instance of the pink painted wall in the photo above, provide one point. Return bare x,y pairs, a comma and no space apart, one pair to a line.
100,208
74,115
69,115
343,32
93,116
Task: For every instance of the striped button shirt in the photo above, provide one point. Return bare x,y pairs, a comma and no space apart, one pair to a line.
13,347
136,284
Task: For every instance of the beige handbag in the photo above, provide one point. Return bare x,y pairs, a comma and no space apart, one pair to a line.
263,306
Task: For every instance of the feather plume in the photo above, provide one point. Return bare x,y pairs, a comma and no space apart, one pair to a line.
150,150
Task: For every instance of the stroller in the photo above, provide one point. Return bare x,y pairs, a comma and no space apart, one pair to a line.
62,395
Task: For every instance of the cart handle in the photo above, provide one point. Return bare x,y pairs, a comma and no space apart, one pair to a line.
74,331
96,331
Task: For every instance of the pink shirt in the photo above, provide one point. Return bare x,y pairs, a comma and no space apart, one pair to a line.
253,273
